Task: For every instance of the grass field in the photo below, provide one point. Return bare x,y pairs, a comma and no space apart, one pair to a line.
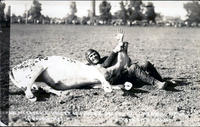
174,51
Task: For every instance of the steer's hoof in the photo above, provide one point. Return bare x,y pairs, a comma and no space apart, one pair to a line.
108,89
128,85
59,93
33,99
34,87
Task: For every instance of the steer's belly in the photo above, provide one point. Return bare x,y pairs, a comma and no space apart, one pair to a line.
72,72
58,68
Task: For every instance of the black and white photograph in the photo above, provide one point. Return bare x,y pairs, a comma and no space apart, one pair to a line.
99,63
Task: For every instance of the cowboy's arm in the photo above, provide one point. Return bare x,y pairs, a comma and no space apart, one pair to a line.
109,60
113,56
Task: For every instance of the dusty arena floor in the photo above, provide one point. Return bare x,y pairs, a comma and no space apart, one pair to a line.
174,51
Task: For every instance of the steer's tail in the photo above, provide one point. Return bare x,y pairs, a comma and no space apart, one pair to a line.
12,78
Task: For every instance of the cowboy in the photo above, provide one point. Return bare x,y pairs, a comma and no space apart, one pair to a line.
146,73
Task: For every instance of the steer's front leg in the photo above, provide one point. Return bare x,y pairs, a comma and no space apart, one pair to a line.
106,86
101,77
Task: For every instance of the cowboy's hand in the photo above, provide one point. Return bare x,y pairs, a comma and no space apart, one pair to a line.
120,35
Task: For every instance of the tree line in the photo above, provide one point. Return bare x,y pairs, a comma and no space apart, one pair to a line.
129,13
4,17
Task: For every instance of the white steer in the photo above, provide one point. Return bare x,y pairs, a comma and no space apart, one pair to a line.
70,73
61,73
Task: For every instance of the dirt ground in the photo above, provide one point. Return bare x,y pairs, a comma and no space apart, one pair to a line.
174,51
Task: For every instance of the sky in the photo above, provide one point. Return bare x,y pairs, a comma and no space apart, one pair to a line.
60,8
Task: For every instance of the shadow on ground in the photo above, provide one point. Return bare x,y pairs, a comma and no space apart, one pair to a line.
140,87
178,82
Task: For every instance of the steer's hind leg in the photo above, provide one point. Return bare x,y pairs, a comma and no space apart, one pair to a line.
28,93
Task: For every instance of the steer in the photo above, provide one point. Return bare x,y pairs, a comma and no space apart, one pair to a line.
70,73
61,73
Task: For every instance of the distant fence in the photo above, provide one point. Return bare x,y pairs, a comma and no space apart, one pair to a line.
116,22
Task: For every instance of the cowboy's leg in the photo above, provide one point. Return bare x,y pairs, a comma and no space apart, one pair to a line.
135,71
149,67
